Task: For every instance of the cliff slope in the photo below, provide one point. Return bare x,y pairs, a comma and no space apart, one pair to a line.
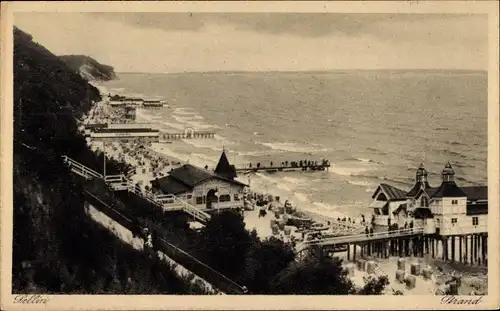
88,67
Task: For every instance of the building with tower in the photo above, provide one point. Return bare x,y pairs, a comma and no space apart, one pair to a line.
446,210
204,188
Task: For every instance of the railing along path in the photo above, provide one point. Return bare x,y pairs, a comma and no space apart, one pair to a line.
167,202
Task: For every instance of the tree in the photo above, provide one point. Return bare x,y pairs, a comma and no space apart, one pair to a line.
224,243
374,285
319,275
264,261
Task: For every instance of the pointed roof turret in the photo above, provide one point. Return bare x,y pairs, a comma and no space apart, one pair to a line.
421,182
448,186
225,169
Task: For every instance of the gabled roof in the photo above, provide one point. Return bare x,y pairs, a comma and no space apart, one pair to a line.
186,177
416,189
190,175
475,193
448,189
224,168
170,185
391,192
429,191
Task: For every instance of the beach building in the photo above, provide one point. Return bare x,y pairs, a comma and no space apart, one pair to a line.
124,101
153,103
145,134
203,188
445,210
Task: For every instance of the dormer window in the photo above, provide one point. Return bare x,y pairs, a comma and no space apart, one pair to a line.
454,202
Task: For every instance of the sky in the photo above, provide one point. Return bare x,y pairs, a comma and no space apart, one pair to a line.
194,42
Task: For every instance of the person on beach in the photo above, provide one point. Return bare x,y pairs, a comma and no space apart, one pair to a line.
262,211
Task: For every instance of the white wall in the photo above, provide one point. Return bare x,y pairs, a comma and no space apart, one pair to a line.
463,225
223,187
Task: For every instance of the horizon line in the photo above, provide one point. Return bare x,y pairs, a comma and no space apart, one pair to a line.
304,71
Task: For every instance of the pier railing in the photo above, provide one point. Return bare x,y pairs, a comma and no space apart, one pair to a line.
345,239
122,183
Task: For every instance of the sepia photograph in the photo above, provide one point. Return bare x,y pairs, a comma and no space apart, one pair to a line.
204,152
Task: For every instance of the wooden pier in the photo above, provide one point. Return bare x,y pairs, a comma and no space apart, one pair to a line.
187,134
470,248
287,166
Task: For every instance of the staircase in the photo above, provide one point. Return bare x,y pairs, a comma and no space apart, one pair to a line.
121,183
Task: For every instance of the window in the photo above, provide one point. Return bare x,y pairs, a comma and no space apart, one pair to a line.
454,202
453,221
424,201
225,198
475,221
199,200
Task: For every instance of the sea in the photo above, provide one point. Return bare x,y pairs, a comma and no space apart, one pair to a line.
373,126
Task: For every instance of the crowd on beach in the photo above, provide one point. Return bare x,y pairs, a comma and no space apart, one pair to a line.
148,164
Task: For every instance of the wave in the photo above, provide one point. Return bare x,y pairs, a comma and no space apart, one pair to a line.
401,181
182,110
456,143
347,171
293,147
363,183
441,129
257,153
196,159
365,160
203,144
174,125
454,154
295,181
326,210
376,151
224,140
